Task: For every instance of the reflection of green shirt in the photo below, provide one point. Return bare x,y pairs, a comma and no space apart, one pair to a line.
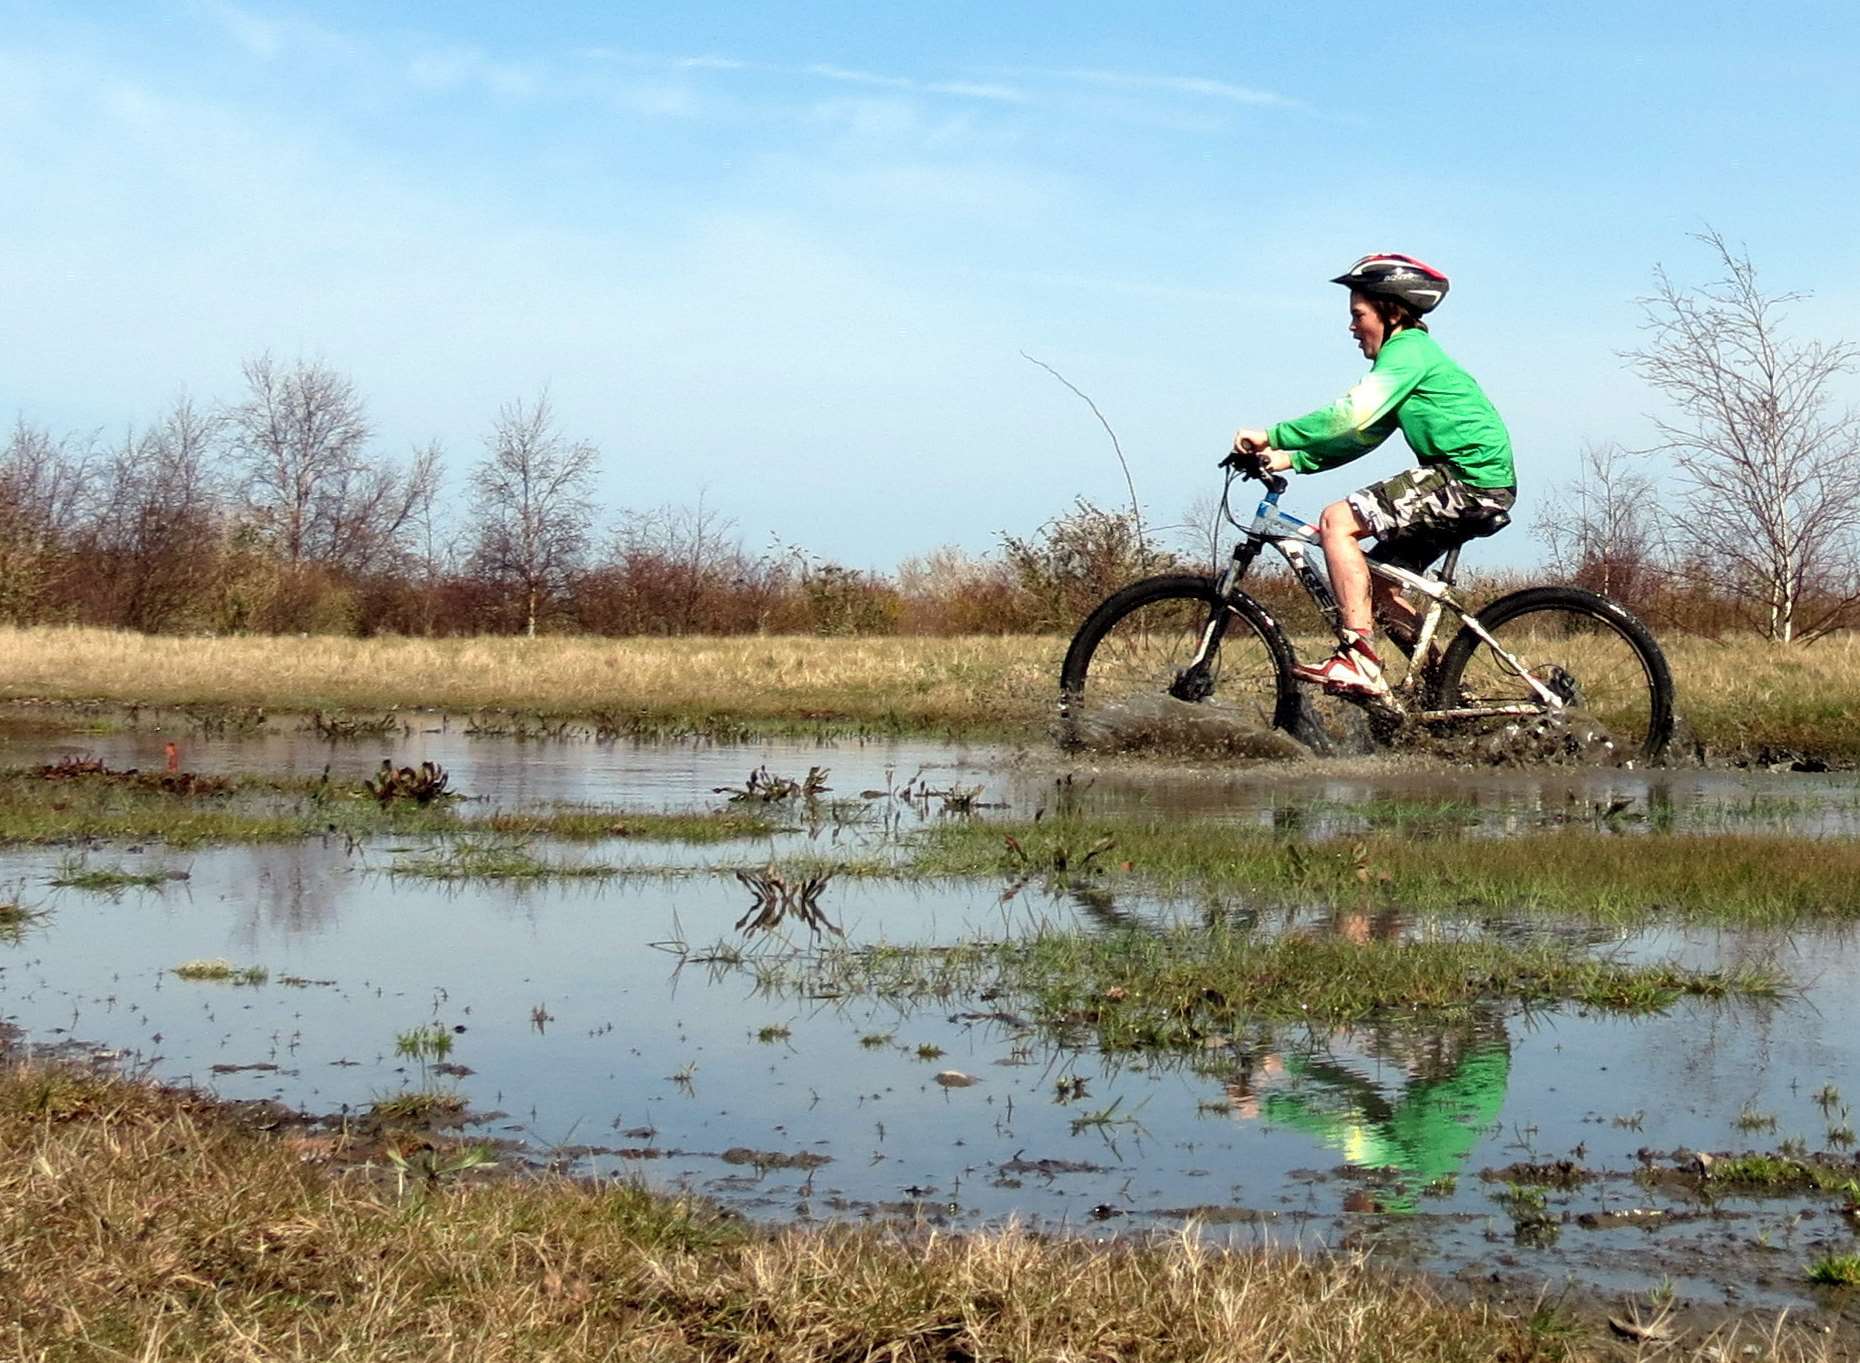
1442,413
1427,1134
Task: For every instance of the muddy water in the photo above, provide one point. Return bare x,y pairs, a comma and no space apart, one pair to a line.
586,1043
583,1041
1316,797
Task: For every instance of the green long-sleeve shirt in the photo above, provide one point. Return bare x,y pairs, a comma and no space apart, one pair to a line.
1442,413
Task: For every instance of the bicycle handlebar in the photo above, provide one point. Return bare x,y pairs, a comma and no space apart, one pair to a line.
1249,466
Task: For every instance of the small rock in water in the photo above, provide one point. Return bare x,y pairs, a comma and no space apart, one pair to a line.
955,1079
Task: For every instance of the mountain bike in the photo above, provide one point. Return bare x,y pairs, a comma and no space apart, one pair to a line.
1556,653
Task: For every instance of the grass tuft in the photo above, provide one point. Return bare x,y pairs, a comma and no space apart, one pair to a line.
473,860
1837,1270
417,1105
220,972
74,873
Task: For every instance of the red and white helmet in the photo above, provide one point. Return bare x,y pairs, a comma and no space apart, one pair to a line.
1412,281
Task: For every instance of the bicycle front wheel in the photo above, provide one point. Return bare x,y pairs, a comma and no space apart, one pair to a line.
1591,654
1143,643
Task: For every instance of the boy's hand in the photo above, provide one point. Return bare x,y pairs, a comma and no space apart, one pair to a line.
1256,445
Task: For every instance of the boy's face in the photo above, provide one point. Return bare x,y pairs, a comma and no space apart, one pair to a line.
1365,326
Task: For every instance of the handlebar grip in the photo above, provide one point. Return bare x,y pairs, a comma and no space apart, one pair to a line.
1250,465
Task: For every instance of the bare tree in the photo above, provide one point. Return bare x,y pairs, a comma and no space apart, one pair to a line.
534,509
694,553
1600,530
1771,465
158,509
44,494
301,442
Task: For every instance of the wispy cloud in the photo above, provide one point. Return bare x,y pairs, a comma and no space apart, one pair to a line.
839,73
994,91
963,89
711,64
1198,87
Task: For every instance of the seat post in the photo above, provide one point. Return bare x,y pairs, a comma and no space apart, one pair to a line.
1450,565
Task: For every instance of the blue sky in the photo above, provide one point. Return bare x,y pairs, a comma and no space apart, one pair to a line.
787,255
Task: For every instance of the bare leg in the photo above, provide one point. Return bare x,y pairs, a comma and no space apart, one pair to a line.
1392,608
1339,529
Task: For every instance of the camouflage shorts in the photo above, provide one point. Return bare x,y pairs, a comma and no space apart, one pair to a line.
1419,515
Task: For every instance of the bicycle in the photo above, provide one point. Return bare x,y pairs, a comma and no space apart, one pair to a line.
1550,651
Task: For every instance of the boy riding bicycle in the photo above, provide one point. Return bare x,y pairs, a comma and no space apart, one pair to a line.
1464,488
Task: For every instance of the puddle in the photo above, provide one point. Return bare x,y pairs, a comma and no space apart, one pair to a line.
1315,798
578,1036
576,1033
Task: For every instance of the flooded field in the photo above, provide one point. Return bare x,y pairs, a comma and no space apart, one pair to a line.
652,1021
1316,798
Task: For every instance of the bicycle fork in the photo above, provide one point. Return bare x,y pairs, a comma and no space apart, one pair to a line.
1191,681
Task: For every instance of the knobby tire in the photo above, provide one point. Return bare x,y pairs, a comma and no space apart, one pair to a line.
1552,624
1118,653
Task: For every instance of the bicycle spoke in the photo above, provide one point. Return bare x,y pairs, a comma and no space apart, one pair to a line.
1144,655
1587,662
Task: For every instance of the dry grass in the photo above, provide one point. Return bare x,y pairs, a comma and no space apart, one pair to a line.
917,683
141,1224
1739,695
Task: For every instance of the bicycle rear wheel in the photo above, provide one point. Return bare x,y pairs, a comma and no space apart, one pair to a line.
1140,645
1594,656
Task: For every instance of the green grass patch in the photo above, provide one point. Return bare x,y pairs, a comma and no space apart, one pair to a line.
470,860
1781,1173
1174,988
220,972
1836,1270
1738,878
74,873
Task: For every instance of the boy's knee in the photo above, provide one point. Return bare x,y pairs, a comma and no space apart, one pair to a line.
1340,518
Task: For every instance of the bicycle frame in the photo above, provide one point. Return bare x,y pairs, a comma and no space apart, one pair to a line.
1295,540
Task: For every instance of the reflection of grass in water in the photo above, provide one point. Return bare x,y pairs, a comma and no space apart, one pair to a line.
1393,811
221,972
276,809
1174,988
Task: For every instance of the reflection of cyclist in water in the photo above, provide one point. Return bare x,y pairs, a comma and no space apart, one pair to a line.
1454,1087
1464,488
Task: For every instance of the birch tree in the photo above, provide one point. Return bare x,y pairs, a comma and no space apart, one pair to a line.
1768,458
533,505
301,443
